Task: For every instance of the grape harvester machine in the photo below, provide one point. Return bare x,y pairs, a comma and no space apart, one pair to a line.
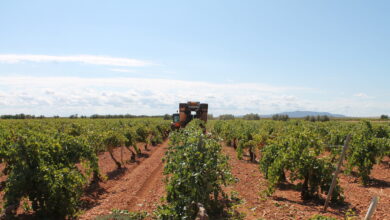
187,112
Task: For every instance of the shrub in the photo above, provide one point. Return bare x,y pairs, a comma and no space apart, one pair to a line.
365,150
297,151
42,168
196,169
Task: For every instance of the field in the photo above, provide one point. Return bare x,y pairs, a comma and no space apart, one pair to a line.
239,169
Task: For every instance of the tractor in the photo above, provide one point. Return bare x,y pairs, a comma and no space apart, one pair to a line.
187,112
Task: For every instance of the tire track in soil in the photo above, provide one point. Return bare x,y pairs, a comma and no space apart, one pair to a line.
139,189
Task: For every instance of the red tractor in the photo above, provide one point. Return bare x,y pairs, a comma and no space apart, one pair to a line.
187,112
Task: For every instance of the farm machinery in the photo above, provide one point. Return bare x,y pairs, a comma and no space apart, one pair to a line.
187,112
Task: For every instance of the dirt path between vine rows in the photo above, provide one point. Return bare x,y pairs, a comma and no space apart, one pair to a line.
286,203
138,187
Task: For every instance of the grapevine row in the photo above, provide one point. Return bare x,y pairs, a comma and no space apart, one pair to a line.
306,152
49,162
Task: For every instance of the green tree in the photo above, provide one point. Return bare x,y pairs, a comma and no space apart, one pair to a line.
226,117
251,116
167,117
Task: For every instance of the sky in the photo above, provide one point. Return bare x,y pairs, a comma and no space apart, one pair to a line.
144,57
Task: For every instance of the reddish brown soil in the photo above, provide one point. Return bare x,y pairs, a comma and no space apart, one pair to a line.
140,186
137,187
286,203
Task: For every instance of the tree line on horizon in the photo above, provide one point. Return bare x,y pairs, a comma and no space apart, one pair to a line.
250,116
75,116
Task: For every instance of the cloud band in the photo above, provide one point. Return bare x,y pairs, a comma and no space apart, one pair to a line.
87,59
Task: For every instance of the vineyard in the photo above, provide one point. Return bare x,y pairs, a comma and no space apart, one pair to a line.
237,169
48,163
302,155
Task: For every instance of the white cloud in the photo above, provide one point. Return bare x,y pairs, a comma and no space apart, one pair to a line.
362,95
88,59
70,95
122,70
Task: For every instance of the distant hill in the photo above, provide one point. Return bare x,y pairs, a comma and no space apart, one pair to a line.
301,114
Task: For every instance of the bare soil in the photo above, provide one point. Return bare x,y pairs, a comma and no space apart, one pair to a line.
286,203
139,186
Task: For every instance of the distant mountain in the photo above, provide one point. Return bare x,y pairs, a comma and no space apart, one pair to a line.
301,114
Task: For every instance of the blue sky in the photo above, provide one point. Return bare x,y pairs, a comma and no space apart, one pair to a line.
143,57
